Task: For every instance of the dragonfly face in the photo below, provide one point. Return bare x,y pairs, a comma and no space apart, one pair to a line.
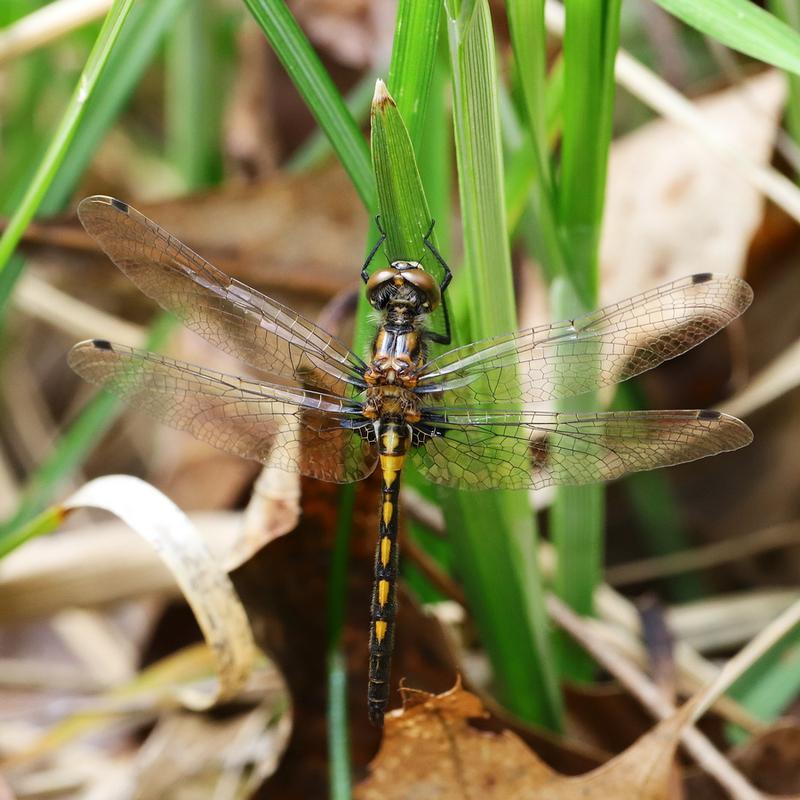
470,418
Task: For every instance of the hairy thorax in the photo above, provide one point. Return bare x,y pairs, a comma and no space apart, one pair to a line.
392,402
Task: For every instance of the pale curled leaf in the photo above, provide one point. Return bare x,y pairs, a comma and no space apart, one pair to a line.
100,563
205,585
273,510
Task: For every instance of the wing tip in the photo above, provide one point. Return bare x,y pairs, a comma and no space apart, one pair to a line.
101,200
733,424
79,351
741,298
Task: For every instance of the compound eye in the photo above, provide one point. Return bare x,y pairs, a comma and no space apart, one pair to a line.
377,284
427,284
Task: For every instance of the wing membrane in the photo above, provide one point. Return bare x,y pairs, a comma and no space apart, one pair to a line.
531,450
576,356
292,429
229,314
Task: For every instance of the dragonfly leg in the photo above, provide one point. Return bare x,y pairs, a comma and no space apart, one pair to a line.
448,275
440,338
371,254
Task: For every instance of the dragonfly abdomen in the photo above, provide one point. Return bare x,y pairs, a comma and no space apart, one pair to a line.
393,444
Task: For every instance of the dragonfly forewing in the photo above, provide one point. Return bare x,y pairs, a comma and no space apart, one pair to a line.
573,357
239,320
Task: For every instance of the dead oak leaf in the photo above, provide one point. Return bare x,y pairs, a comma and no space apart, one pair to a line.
431,749
671,207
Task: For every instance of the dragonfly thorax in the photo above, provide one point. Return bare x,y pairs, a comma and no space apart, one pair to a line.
398,351
392,403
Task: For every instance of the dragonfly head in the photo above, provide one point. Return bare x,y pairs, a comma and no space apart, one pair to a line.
406,282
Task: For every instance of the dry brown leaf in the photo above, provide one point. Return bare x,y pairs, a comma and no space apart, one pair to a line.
671,210
354,32
431,749
257,233
251,137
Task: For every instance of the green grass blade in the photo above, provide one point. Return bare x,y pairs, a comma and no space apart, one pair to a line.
135,48
655,508
529,40
771,685
743,26
480,166
404,208
192,98
317,89
590,45
413,57
25,136
435,160
46,522
133,52
338,739
493,534
317,147
788,11
65,132
414,46
529,180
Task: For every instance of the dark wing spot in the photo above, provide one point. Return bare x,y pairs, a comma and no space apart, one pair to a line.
708,414
102,344
702,277
118,204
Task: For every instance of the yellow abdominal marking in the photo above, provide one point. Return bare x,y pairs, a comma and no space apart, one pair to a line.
383,592
391,466
386,549
390,441
387,512
380,630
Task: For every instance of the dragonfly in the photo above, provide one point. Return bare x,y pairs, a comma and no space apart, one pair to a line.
477,416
